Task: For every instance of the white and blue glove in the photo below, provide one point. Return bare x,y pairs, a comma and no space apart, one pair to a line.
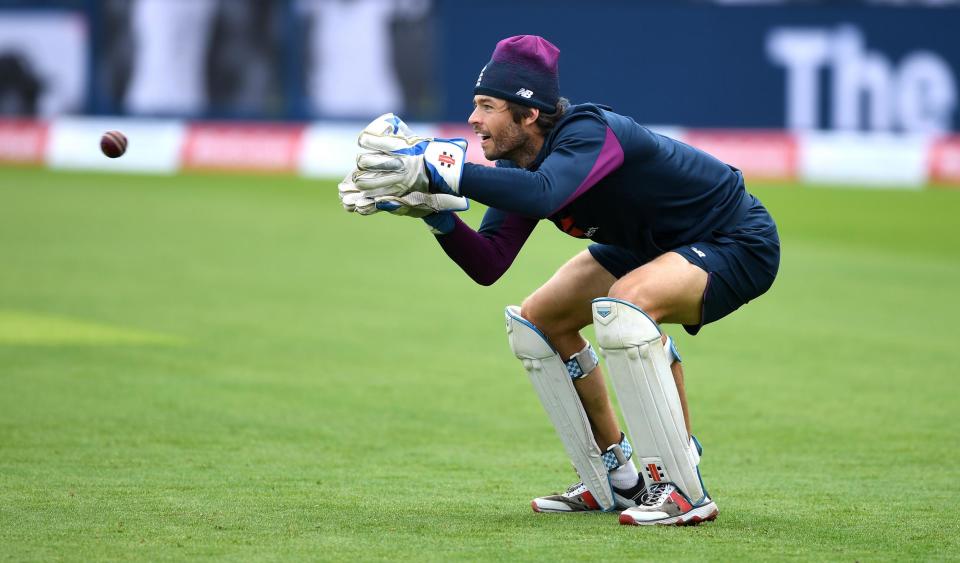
436,210
399,162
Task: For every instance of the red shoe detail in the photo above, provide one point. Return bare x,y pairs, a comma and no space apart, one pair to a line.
590,501
533,504
681,502
693,521
696,519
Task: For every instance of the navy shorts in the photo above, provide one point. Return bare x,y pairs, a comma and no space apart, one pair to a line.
741,263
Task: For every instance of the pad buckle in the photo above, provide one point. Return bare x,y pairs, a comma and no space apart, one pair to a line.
618,454
582,363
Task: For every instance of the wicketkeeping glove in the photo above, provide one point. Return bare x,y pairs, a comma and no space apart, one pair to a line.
436,210
351,196
419,205
400,162
414,204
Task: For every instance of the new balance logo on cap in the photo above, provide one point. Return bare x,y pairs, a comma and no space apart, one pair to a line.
480,78
524,93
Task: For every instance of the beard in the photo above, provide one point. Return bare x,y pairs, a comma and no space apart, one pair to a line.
509,144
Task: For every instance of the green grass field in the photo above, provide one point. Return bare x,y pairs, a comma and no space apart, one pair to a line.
232,367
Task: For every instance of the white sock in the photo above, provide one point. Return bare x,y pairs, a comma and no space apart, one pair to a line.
625,476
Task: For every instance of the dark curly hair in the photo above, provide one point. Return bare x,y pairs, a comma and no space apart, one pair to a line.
546,121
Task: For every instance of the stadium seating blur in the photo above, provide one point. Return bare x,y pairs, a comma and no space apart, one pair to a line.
861,91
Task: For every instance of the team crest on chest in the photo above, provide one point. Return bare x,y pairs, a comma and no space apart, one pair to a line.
566,225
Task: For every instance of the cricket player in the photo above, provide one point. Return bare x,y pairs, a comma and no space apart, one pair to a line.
676,238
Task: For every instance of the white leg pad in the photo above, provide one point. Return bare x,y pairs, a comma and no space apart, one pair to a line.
640,369
551,381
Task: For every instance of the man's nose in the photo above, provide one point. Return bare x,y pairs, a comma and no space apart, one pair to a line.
474,118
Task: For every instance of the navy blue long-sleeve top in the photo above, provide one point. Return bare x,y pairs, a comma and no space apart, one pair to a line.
600,176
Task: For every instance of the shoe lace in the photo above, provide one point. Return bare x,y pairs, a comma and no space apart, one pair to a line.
574,487
656,494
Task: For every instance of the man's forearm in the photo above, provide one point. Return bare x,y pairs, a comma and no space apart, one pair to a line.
485,257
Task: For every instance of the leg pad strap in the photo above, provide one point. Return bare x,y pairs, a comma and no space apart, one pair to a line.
582,363
618,454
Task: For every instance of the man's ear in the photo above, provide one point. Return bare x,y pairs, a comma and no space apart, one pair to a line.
532,117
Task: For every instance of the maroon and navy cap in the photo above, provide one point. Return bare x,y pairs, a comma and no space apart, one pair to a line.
523,69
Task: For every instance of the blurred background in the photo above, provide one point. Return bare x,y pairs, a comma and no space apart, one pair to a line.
881,77
257,59
867,65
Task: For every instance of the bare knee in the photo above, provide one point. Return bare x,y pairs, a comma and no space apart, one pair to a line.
530,309
559,326
539,314
634,294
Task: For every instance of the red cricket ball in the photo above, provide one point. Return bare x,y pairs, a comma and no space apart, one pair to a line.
113,144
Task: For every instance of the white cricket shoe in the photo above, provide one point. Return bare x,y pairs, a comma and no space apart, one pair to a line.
664,504
579,499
